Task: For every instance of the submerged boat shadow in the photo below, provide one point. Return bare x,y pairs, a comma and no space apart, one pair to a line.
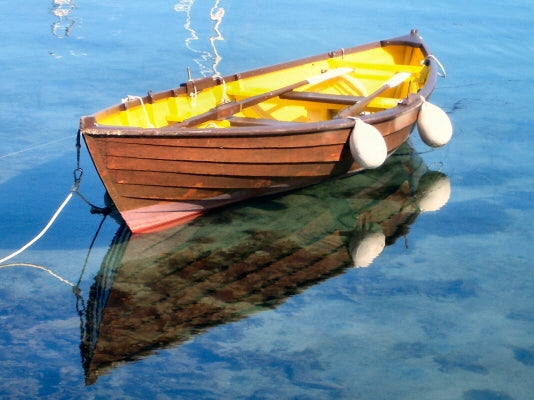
159,290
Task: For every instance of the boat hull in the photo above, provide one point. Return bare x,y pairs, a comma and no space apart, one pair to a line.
159,182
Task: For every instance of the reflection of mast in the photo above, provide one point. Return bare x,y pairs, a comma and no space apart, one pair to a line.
62,9
204,56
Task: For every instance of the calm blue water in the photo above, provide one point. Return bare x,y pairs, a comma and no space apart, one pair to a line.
450,316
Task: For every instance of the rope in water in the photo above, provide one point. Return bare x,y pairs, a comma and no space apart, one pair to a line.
78,173
36,266
34,147
41,234
75,287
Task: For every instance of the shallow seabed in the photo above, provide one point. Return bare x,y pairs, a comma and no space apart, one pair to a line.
444,314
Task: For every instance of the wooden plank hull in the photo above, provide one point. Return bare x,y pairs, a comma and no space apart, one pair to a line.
160,176
161,289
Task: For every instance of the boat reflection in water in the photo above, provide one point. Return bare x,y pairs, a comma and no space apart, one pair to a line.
159,290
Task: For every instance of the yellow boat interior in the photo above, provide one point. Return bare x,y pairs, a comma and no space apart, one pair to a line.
367,70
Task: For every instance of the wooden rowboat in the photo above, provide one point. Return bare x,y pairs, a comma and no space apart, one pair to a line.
170,156
159,290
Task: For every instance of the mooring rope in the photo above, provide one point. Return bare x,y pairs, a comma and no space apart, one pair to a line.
75,287
37,266
33,147
78,173
130,98
40,235
433,57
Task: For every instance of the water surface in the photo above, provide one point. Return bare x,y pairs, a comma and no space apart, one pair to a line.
443,312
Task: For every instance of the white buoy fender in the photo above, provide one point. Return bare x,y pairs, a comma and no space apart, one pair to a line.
434,191
367,145
367,249
434,125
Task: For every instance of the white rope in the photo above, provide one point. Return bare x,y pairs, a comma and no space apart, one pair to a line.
130,98
46,228
36,266
34,147
433,57
224,98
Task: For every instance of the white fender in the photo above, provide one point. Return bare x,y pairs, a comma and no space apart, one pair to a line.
434,191
434,125
367,249
367,145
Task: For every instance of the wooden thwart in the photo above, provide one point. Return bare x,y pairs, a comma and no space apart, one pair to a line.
321,97
243,121
226,110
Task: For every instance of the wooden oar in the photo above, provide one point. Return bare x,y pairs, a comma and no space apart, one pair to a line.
226,110
357,108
